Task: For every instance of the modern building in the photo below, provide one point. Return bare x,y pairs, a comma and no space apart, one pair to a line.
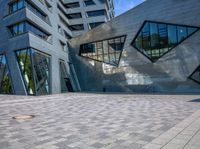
34,55
155,47
84,15
152,48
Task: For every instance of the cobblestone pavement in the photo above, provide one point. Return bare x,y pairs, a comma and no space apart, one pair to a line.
92,121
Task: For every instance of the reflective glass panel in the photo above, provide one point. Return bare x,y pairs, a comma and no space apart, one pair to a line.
35,70
5,80
156,39
107,51
66,85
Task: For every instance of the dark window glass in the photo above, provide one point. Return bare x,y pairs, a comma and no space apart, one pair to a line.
24,27
107,51
36,10
191,30
182,33
35,69
74,16
5,80
20,4
66,85
156,39
89,2
72,5
77,27
96,13
154,36
16,5
172,35
95,24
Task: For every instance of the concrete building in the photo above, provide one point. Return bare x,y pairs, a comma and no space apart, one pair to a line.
152,48
34,55
84,15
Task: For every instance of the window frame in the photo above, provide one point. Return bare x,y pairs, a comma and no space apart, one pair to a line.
157,22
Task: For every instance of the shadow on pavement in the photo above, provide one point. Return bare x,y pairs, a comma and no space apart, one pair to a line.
195,100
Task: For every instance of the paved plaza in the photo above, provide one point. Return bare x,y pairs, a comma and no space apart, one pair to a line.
100,121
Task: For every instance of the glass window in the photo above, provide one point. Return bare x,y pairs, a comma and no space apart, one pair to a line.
16,5
5,79
95,24
74,16
20,4
23,27
35,69
191,30
172,35
35,10
96,13
156,39
65,82
154,36
182,33
72,5
89,2
77,27
107,51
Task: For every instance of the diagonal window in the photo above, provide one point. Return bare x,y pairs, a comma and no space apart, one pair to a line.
195,76
66,85
156,39
5,80
35,69
107,51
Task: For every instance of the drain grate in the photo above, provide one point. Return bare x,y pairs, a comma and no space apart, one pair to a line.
23,117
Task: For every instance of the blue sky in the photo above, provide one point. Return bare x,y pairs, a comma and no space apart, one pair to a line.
122,6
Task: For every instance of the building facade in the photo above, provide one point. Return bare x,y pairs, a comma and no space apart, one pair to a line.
152,48
34,54
84,15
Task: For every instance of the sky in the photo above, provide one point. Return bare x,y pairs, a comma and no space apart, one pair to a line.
122,6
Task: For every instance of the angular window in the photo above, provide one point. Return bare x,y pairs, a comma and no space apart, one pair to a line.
195,76
5,80
89,2
35,69
65,82
108,51
23,27
96,13
156,39
95,24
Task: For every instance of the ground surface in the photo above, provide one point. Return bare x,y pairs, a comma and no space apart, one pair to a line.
95,121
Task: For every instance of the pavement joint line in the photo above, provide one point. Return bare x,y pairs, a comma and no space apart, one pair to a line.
184,128
191,138
67,120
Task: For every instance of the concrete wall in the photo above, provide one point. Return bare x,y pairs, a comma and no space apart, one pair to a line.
135,72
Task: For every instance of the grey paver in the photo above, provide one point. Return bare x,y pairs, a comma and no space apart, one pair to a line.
95,121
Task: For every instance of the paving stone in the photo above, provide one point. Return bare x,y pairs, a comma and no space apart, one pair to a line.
96,121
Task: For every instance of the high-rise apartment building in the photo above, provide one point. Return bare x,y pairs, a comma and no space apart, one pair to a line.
84,15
